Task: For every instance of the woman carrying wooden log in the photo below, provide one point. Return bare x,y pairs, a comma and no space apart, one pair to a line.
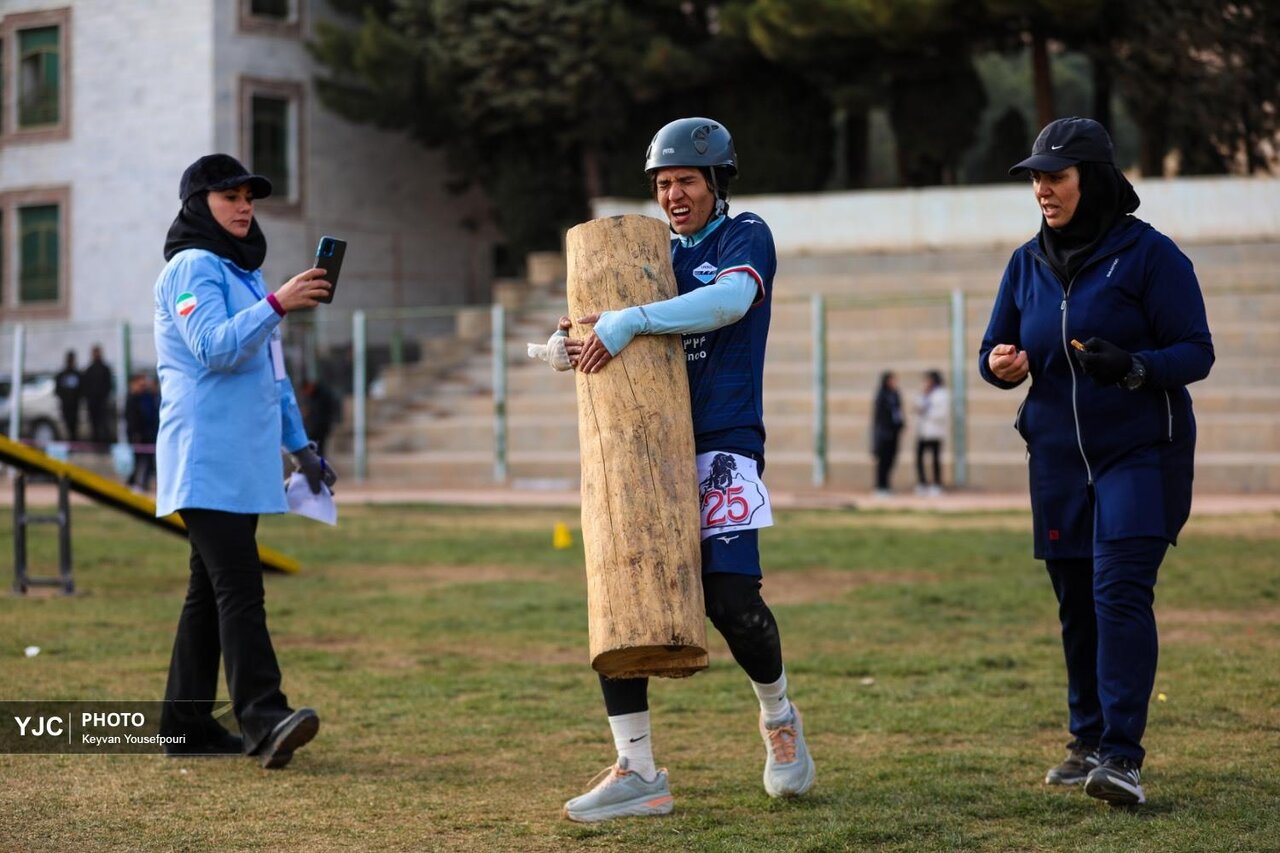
724,270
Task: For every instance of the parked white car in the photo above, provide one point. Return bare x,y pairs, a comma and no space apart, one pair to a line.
41,413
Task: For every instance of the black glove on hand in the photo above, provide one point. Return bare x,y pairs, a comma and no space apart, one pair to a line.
314,468
1103,361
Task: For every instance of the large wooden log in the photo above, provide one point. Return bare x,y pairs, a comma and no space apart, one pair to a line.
640,522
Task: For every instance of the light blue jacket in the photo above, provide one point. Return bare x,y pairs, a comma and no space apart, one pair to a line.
223,415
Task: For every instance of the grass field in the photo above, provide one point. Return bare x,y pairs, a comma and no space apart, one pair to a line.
445,649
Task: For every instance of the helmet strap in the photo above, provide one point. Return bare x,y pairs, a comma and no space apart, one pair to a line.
721,204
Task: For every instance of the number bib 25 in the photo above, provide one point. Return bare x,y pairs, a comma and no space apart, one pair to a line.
731,494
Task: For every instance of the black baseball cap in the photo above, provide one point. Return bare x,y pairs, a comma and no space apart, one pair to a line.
218,172
1065,142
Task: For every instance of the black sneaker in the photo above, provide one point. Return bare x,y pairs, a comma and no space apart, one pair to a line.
1116,781
289,734
1081,759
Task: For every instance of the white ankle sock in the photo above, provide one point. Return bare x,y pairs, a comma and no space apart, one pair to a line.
773,699
634,742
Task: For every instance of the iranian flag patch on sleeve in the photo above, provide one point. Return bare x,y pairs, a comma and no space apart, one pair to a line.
186,303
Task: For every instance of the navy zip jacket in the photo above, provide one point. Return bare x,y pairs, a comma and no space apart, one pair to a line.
1105,463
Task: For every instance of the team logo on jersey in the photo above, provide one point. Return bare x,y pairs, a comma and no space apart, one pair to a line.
186,303
705,273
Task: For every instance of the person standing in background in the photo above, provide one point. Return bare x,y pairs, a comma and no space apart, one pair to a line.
142,423
319,412
931,429
96,384
886,427
67,387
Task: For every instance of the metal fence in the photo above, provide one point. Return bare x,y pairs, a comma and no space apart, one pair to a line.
352,351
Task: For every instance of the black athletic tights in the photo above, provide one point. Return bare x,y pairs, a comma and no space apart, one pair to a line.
739,613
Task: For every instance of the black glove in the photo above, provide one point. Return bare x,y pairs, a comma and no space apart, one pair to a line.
1103,361
314,468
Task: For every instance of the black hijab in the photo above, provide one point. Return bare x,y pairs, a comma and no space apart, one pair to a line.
1106,197
195,228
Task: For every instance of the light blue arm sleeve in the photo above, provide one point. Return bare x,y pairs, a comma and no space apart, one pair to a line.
719,304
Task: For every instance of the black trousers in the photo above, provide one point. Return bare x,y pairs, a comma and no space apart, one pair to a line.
1109,639
71,420
144,468
223,616
99,422
886,454
735,607
929,446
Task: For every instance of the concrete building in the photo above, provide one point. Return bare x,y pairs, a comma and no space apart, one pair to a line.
103,103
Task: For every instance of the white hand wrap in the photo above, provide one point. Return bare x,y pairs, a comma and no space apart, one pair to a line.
553,351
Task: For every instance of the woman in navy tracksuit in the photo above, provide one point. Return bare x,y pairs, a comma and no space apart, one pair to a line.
1109,430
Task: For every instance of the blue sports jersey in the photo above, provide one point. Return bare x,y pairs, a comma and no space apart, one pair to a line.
726,366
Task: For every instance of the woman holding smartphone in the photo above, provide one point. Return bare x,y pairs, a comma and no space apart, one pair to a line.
1109,431
227,409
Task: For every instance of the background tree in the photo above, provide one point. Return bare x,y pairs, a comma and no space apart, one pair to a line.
547,105
1012,24
831,44
1201,77
911,58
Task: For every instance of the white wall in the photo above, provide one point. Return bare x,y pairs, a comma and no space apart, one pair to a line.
155,84
139,104
380,191
1217,209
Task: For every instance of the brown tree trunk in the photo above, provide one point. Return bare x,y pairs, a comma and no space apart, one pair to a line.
592,182
1153,137
1102,93
640,521
1042,75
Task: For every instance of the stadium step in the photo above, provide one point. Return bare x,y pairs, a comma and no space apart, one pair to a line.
434,423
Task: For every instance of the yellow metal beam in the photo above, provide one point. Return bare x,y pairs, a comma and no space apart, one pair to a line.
117,496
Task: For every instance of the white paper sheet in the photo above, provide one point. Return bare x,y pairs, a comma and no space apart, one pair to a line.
305,503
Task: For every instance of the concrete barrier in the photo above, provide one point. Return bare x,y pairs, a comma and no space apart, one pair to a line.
1193,210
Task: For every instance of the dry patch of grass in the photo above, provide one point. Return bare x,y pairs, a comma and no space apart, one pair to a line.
1252,526
808,586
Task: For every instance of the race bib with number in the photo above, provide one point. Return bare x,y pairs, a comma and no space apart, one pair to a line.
731,493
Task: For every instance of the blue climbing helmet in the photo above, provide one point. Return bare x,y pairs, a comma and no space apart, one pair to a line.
699,143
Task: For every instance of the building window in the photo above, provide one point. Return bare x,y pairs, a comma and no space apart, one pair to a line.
271,17
33,252
39,77
278,10
35,75
38,253
272,139
270,135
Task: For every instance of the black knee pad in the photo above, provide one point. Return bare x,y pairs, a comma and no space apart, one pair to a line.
738,612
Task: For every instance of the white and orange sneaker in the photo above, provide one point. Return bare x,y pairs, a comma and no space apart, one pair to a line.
621,793
788,767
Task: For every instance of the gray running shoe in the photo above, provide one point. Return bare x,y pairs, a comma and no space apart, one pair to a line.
621,793
1117,782
788,768
1080,759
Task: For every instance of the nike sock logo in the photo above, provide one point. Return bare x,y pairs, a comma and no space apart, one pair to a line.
634,739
